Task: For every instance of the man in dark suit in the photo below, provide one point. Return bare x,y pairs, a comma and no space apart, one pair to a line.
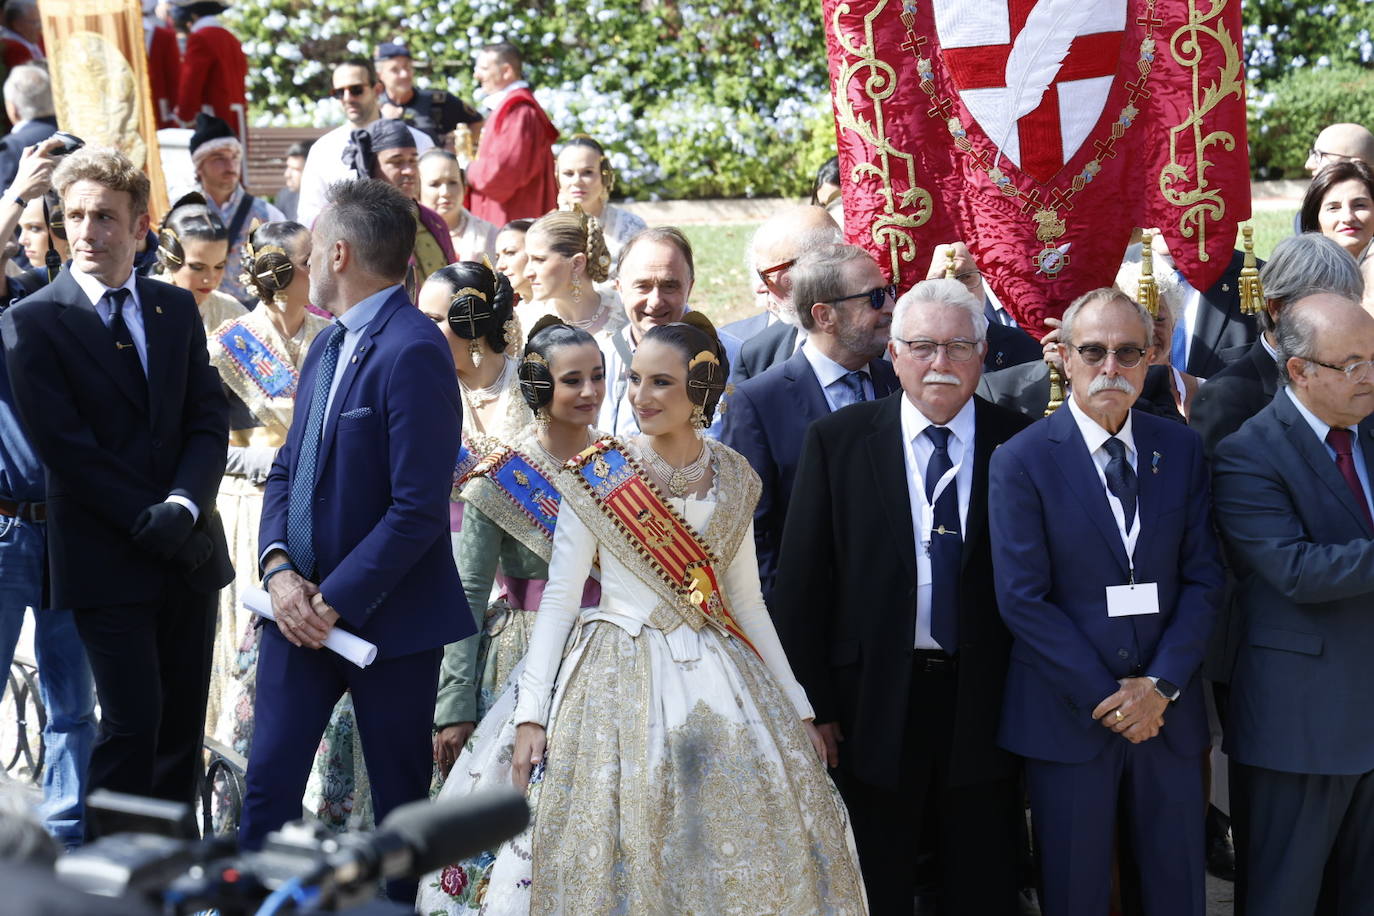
28,103
840,364
1209,320
773,251
884,603
1300,266
1008,345
1107,576
1293,506
111,378
355,522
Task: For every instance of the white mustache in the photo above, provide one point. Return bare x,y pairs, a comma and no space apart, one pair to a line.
1111,383
939,378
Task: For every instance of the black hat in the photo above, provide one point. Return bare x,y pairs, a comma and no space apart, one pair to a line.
389,49
212,133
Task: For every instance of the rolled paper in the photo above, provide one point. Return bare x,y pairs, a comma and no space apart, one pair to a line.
351,646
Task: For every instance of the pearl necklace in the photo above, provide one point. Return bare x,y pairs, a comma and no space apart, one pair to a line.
480,397
585,323
678,479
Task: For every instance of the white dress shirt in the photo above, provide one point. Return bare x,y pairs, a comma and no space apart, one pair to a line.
828,373
917,449
1095,437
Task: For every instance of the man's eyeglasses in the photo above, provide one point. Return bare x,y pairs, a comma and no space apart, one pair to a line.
356,90
1319,157
1126,357
1356,372
958,349
770,275
878,296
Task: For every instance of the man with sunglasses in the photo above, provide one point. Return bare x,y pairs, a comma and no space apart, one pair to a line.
1294,510
360,93
840,363
1108,576
883,600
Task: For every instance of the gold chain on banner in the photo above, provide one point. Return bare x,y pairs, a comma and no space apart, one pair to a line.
1045,211
902,211
1203,203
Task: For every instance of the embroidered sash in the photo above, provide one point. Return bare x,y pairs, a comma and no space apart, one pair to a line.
253,369
512,490
611,481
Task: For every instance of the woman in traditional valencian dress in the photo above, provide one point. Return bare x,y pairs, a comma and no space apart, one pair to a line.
510,512
258,355
672,763
193,248
586,179
565,257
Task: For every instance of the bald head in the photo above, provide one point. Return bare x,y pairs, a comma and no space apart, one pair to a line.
1341,141
780,240
1318,337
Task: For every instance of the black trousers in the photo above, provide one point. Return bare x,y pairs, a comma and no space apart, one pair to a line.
151,664
975,831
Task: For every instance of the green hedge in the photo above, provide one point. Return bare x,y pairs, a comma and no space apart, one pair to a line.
1285,120
693,99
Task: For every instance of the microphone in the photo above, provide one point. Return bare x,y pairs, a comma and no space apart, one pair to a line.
424,836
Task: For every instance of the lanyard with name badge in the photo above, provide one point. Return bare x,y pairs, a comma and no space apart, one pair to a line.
928,505
1134,598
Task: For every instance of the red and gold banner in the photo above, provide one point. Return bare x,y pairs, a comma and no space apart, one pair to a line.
99,68
1041,133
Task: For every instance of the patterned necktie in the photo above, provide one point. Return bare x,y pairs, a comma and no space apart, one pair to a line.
850,389
299,518
1340,440
946,545
1121,479
126,354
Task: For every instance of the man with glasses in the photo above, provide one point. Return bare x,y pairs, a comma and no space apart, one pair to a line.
840,364
1008,345
1107,574
773,251
360,93
1293,507
883,600
1338,143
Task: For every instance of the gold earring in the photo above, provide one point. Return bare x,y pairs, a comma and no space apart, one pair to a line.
475,351
541,419
699,416
577,291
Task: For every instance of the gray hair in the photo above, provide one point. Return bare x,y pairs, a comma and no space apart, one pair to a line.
1099,297
663,235
943,291
820,276
29,89
1302,265
1295,336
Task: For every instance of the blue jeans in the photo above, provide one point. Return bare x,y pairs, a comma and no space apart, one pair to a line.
65,684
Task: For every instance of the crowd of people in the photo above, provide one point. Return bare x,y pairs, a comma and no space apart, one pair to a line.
801,613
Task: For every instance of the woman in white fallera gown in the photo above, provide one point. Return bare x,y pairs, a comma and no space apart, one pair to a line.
669,752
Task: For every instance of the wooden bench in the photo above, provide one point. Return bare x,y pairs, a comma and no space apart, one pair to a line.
267,148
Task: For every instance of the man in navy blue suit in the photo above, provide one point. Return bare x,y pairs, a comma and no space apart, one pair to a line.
1108,577
1293,506
846,318
355,519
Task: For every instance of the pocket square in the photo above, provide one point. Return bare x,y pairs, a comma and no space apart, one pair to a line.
356,413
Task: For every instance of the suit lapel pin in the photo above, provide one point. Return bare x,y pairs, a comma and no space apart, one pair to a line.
1154,463
1226,287
158,309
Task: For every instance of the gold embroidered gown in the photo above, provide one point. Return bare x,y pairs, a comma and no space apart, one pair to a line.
678,776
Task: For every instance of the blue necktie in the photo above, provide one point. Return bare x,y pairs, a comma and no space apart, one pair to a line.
849,389
946,545
299,520
126,354
1121,479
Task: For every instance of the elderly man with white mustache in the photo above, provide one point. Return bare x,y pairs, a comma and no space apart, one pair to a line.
884,601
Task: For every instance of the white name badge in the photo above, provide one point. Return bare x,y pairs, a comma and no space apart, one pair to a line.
1132,600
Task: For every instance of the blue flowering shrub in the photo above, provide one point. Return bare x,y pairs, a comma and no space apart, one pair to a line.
692,99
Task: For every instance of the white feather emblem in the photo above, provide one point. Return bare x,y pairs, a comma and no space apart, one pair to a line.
1035,59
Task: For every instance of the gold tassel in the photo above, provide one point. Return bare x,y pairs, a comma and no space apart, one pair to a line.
1251,290
1056,391
1147,293
949,262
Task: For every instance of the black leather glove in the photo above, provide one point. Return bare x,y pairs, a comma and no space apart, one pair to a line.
162,528
194,553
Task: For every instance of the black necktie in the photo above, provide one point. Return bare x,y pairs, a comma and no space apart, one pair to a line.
946,544
126,354
1121,479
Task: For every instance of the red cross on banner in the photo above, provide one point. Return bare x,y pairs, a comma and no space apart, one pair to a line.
1061,52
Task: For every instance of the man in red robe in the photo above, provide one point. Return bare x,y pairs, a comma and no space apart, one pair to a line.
213,69
513,175
164,64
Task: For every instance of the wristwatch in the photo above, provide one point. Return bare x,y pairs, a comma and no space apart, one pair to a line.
20,201
1166,689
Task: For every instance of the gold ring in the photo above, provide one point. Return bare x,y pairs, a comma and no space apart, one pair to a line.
1119,715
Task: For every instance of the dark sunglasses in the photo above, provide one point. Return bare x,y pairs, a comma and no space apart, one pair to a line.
878,296
355,90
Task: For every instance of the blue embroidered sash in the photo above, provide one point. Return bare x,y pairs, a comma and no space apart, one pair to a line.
257,362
